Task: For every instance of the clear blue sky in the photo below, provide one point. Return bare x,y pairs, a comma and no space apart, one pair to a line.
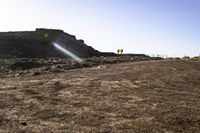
138,26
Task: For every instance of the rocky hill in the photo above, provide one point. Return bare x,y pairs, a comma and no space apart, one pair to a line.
39,44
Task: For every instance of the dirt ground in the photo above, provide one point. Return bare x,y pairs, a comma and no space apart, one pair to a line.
146,96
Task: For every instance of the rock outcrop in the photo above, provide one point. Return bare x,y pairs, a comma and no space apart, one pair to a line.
39,44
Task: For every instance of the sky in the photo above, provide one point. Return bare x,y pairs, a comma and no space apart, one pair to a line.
166,27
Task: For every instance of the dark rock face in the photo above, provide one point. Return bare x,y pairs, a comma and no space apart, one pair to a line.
39,44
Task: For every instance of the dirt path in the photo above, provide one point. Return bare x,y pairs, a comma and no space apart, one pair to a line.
148,96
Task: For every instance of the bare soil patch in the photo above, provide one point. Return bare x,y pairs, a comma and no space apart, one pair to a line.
145,96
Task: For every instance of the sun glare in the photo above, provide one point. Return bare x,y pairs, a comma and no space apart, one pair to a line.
67,52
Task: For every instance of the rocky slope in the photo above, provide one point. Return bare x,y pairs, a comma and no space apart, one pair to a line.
37,66
38,44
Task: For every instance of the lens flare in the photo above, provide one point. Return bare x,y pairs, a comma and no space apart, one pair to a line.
67,52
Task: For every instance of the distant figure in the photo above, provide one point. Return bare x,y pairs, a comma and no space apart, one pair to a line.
120,51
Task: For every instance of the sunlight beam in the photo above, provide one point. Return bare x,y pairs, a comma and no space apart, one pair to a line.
67,52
